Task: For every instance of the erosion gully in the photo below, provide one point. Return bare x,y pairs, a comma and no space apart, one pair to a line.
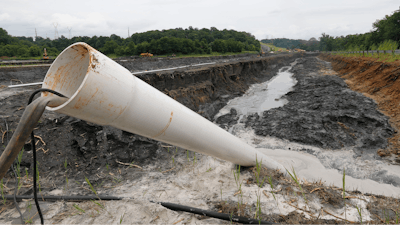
284,105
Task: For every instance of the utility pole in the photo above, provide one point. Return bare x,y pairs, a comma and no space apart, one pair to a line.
69,30
35,34
128,32
55,31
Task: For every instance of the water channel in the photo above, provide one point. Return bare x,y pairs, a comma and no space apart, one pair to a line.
311,163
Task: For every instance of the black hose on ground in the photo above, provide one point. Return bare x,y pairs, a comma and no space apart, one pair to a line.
34,151
65,198
222,216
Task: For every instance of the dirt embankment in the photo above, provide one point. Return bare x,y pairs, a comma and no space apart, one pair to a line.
322,111
16,75
378,81
85,147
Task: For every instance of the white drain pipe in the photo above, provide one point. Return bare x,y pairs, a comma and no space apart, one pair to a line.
103,92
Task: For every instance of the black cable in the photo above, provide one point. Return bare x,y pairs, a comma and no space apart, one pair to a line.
66,198
222,216
34,151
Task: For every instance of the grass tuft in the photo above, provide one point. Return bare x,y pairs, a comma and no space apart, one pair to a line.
295,179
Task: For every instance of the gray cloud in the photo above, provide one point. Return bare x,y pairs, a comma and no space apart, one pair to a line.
286,18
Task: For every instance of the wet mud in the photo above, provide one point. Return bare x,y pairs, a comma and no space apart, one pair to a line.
379,81
322,111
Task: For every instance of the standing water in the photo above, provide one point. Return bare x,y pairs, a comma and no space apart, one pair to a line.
263,96
309,162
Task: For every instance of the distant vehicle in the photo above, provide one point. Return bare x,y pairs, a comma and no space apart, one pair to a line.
146,54
45,57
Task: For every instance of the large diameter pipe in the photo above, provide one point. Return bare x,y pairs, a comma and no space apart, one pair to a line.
103,92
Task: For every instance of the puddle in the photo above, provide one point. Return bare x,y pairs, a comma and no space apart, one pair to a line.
368,175
263,96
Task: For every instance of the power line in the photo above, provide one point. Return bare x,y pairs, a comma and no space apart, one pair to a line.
69,30
55,31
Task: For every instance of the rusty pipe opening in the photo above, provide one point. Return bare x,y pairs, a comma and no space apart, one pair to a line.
67,73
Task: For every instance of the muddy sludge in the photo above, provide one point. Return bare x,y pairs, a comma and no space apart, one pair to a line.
378,81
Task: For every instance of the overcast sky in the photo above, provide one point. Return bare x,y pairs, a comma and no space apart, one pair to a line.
295,19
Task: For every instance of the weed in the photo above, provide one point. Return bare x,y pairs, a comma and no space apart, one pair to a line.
2,192
236,175
387,217
66,180
221,192
295,179
97,203
107,166
168,149
26,173
91,186
65,164
209,169
257,173
344,192
397,217
19,159
187,155
121,218
259,185
78,208
173,160
359,213
38,176
272,187
117,180
194,158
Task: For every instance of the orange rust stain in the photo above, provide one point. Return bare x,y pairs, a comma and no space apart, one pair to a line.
84,101
165,128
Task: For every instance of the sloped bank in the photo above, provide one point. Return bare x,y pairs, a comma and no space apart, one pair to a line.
379,81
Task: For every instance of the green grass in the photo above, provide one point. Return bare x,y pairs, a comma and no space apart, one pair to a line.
272,187
295,179
79,208
258,192
2,192
273,47
359,213
388,57
344,192
236,175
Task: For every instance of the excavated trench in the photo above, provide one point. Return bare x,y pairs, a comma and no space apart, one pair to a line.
319,115
85,147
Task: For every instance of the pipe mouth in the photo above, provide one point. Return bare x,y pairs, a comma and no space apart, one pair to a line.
68,72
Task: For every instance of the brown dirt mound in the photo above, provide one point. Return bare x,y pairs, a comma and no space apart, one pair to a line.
378,81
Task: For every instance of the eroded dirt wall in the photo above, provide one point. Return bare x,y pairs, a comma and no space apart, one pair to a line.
377,80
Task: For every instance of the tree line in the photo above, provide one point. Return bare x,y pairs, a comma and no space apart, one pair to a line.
179,40
385,35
